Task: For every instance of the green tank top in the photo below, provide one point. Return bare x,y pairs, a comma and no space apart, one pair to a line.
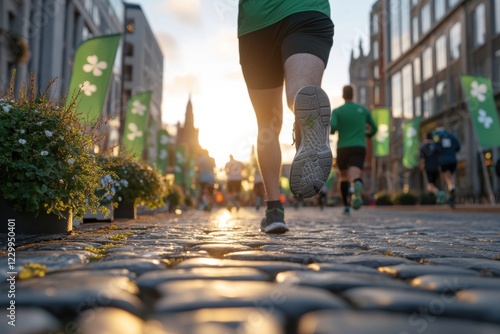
257,14
350,121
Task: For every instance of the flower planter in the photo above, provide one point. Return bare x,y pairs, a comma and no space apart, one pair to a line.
99,216
126,211
30,223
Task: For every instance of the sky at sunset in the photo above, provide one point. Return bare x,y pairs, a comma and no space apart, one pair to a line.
200,47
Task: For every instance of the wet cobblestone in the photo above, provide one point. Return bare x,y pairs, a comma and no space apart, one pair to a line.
377,271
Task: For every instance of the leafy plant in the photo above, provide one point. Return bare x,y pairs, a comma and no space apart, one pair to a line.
382,198
428,198
138,182
46,154
404,198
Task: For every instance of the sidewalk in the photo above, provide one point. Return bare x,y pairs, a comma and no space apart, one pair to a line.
380,270
473,208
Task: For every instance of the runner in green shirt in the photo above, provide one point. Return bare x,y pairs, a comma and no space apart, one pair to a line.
285,44
350,121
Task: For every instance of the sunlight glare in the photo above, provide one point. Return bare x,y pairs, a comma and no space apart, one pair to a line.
223,220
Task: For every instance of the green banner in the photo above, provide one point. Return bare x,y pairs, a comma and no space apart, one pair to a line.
482,109
92,67
179,166
381,139
411,144
162,151
134,136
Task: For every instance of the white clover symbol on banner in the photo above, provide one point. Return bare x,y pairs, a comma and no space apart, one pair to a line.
164,139
88,88
484,119
478,91
410,134
95,66
138,108
136,133
179,157
163,154
382,133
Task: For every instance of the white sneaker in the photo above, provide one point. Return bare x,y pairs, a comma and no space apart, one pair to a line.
312,163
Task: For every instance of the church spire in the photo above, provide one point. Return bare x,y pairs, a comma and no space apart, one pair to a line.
189,118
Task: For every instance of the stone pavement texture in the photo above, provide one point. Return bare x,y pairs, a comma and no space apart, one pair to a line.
377,271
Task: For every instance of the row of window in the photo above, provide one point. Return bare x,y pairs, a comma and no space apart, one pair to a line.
433,100
400,29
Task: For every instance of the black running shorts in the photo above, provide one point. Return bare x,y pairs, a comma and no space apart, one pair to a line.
432,176
452,167
264,52
351,157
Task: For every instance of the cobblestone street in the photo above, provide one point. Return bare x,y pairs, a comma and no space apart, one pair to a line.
378,271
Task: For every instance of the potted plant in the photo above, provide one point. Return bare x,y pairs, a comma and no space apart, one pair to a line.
49,171
140,184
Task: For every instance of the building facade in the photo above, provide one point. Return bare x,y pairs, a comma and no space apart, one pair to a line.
41,37
424,47
142,70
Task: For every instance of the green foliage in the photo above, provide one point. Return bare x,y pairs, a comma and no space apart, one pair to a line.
382,198
138,182
428,198
46,155
405,199
175,196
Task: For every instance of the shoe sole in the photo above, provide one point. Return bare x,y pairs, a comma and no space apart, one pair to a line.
312,163
275,228
356,199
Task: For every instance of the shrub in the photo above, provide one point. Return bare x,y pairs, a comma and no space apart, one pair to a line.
405,199
382,198
428,198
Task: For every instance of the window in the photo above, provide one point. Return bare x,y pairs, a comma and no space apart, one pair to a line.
496,73
375,50
130,25
439,9
497,16
429,103
425,14
417,76
395,29
427,64
441,53
376,94
418,106
452,3
415,33
129,49
407,92
455,40
127,72
362,95
375,23
405,25
376,72
479,25
362,73
441,96
414,2
397,107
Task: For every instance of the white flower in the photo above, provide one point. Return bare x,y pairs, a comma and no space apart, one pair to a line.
71,161
95,66
22,141
88,88
478,91
39,123
48,133
22,131
124,183
6,108
35,111
61,137
119,199
44,153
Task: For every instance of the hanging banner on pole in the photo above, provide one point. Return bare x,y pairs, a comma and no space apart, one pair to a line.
483,110
134,136
179,166
162,154
411,144
381,139
92,67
